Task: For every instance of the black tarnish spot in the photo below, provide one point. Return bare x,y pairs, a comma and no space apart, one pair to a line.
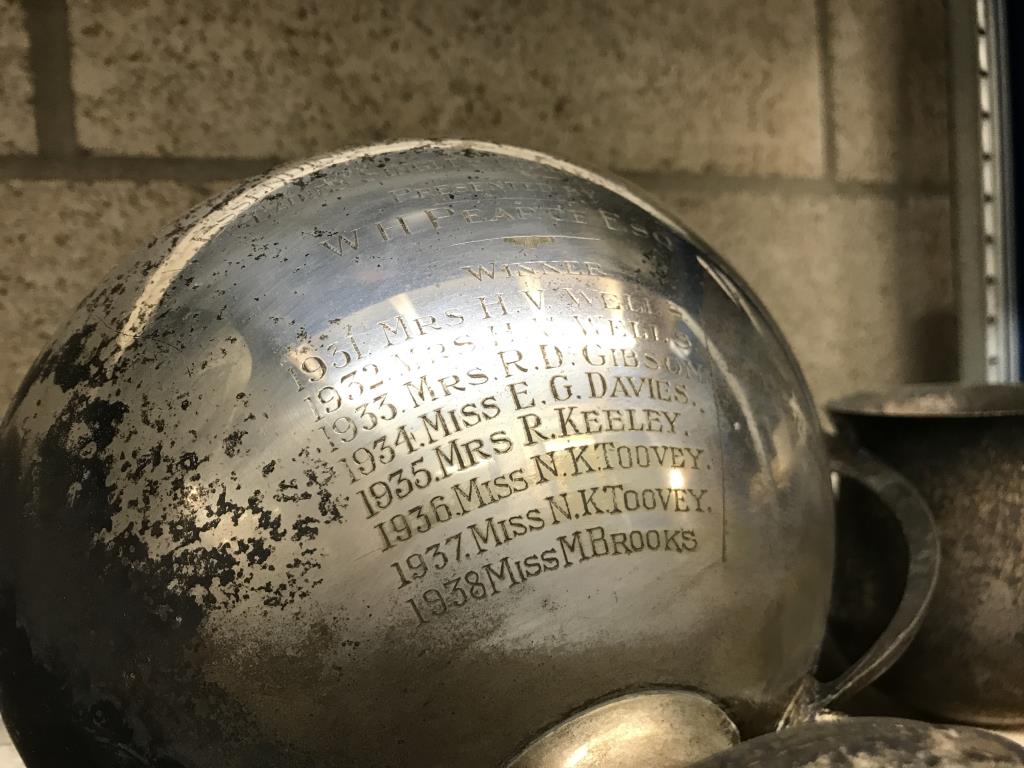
233,442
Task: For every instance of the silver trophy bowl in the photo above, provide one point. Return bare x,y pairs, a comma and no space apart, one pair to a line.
403,456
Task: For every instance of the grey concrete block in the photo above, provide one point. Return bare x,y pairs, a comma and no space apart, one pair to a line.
17,122
889,75
727,85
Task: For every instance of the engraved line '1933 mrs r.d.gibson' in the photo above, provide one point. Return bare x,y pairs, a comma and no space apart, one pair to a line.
398,457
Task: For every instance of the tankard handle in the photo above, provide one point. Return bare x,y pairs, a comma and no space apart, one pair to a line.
916,524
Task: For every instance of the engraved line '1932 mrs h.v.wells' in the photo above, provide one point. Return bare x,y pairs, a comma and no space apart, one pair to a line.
399,457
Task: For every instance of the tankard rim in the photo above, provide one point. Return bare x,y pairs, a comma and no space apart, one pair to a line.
933,401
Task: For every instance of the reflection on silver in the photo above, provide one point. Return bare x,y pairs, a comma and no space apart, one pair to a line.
655,729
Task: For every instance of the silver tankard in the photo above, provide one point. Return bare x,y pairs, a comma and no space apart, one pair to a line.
963,448
403,456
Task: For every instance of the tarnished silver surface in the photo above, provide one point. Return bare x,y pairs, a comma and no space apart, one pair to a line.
1016,736
400,457
903,521
872,742
963,448
655,729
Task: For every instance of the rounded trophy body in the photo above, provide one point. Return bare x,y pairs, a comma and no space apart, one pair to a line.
397,457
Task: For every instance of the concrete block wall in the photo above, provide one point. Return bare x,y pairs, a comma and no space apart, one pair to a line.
805,139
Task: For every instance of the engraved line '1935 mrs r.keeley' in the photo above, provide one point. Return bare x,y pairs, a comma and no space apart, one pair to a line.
399,457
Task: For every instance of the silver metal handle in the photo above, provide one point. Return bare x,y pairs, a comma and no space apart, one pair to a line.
914,518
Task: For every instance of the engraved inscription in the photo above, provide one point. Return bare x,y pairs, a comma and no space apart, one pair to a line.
506,435
532,208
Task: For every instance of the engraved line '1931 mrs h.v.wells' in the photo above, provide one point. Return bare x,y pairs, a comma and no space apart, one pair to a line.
399,457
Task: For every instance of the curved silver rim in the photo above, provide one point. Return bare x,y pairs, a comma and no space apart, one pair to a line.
935,401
